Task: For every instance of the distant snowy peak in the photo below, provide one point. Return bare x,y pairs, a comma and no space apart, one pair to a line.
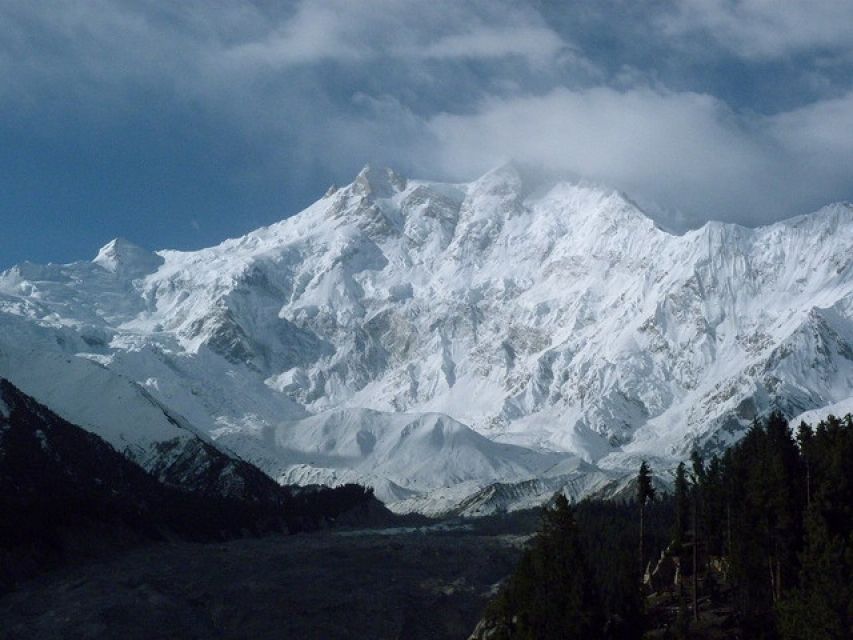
122,257
827,219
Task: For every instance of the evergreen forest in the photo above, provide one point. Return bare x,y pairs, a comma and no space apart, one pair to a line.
754,544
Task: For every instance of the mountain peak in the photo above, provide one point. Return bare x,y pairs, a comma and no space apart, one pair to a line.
835,213
507,172
117,244
525,179
380,183
121,256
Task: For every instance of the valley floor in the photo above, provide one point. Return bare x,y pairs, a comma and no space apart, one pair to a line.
370,584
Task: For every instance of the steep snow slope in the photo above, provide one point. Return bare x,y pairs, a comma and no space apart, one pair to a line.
124,414
551,316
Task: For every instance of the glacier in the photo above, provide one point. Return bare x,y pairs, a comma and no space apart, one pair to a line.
452,345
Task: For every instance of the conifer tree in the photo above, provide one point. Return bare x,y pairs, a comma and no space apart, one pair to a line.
820,608
805,437
645,492
698,477
715,516
682,507
552,592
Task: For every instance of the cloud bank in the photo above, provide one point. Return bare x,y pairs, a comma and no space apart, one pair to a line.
686,151
733,110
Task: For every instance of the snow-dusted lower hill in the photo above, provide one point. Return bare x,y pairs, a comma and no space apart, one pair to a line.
124,414
403,456
839,410
435,339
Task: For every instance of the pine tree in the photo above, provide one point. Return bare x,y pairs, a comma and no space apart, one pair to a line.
715,512
682,507
552,592
805,437
820,608
645,492
698,477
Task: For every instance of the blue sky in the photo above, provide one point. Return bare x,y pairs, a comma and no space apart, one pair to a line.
178,124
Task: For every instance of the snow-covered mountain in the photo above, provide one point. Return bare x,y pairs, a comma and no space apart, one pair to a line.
435,339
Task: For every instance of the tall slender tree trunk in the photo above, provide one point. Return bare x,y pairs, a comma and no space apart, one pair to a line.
642,538
771,549
695,562
778,579
808,484
772,578
729,528
729,551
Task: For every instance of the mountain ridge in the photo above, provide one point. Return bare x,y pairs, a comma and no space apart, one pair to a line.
556,318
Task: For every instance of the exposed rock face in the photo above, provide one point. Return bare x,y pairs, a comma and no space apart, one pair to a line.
665,574
488,629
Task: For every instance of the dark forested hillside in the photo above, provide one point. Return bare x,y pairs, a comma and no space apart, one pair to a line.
66,494
753,544
580,577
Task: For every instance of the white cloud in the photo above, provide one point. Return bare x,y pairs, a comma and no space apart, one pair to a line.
316,32
233,53
354,32
687,151
765,28
536,43
818,143
824,128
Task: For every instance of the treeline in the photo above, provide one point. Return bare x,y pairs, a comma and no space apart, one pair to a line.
759,538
